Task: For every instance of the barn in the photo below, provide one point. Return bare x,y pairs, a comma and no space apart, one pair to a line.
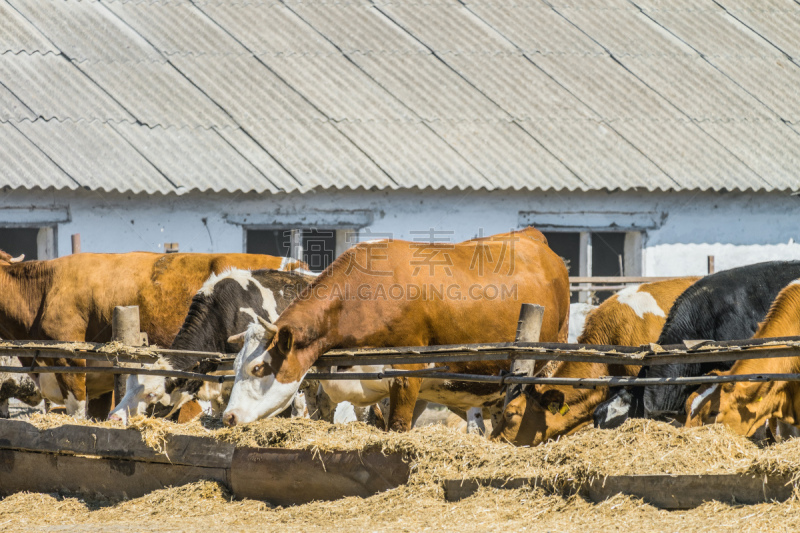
642,136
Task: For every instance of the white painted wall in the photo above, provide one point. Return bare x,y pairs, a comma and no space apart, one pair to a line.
682,229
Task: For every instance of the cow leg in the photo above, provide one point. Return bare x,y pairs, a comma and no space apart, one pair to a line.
73,390
120,385
379,414
217,407
310,388
345,413
495,413
458,412
376,417
4,412
403,393
419,408
325,406
189,411
299,409
475,423
98,408
362,414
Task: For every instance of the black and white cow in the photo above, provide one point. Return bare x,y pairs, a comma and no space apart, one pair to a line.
224,306
727,305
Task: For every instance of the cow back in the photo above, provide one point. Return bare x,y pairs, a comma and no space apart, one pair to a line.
398,293
727,305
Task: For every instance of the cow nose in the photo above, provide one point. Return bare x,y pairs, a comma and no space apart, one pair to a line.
229,419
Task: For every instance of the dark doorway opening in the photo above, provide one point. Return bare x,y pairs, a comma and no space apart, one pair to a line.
318,245
16,241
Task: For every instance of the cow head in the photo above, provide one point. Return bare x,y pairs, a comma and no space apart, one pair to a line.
143,393
266,379
614,411
743,407
536,417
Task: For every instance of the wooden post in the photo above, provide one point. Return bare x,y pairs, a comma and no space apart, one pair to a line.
710,264
76,243
125,325
529,328
125,328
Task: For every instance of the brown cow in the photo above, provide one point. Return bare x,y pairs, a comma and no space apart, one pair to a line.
632,317
72,298
745,407
398,293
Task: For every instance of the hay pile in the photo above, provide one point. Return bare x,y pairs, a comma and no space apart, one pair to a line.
437,452
205,506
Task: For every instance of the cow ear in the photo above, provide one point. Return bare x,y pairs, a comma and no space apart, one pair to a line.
237,340
534,398
553,401
285,341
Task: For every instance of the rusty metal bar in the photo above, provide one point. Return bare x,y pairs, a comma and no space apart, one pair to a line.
432,373
709,351
113,370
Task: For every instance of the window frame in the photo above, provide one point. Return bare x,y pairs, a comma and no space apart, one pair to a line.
345,236
46,239
633,251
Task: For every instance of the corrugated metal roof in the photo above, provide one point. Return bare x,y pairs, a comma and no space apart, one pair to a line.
95,156
158,95
11,108
171,96
24,165
55,88
176,28
86,30
18,35
195,159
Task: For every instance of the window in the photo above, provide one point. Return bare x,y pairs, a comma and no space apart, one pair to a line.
35,243
317,247
598,253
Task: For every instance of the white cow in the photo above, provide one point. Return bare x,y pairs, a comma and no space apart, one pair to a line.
577,319
19,386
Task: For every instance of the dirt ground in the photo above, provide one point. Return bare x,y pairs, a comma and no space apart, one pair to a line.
204,507
437,453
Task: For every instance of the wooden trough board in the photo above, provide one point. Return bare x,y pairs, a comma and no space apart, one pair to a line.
116,463
664,491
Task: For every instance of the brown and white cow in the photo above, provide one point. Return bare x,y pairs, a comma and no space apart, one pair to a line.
745,407
632,317
72,298
398,293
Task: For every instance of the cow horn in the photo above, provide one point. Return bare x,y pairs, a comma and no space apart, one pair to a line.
237,340
271,328
17,259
